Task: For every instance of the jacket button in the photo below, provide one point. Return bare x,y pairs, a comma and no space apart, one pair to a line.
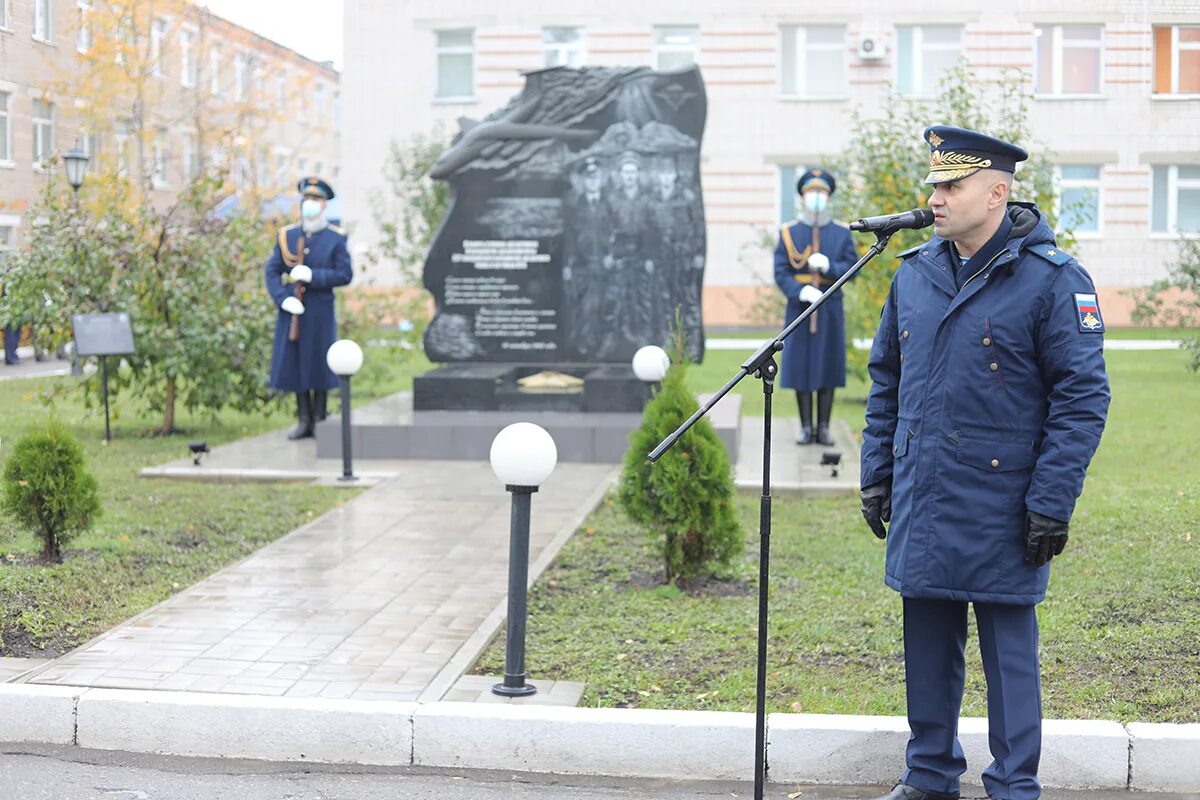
994,366
904,335
987,342
902,356
306,249
995,463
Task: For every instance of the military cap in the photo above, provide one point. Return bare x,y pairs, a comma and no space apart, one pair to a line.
315,187
955,153
816,178
590,167
629,157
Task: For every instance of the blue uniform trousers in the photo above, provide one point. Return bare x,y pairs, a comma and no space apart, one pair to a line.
935,634
12,336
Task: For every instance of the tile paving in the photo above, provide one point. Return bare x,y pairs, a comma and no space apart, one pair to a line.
370,601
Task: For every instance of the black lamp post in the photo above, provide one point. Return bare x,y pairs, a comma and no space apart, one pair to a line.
523,455
345,358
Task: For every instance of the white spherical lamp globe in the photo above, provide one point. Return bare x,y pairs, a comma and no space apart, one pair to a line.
523,454
344,357
651,363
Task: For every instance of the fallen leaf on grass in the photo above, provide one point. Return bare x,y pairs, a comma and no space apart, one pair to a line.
621,656
797,708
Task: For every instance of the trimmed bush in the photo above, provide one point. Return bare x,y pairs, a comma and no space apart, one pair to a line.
687,496
48,489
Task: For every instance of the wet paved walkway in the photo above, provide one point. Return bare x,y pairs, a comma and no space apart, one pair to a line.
373,600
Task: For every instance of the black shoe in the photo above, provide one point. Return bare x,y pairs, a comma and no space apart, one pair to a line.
14,361
824,410
903,791
320,401
823,436
304,415
804,402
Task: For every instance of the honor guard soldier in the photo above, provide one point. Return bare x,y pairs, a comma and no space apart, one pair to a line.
813,252
309,260
988,399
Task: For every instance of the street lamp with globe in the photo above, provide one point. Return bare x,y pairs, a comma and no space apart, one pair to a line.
345,358
523,455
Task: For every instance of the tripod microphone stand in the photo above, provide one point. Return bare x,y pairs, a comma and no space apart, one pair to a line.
762,366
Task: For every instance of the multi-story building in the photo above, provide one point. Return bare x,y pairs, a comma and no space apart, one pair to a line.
158,92
1116,101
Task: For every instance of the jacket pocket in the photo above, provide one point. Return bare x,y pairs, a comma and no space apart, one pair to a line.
995,456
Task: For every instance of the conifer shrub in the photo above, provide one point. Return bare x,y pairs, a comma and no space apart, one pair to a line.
48,489
686,497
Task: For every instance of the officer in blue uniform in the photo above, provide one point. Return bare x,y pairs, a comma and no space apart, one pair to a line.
309,260
812,253
988,399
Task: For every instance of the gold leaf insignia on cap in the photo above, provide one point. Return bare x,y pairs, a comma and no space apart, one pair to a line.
934,139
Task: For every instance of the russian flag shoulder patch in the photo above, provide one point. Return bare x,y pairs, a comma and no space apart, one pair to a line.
1087,313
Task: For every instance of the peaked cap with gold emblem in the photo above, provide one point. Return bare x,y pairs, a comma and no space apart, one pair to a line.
955,153
815,177
315,187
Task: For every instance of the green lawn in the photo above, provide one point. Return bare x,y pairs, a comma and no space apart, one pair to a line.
155,537
1120,628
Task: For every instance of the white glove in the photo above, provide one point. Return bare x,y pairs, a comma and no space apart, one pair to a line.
818,262
303,273
810,294
292,306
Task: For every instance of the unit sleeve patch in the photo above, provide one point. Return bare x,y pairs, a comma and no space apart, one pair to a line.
1087,313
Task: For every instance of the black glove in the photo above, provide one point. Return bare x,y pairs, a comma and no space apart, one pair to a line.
877,506
1044,538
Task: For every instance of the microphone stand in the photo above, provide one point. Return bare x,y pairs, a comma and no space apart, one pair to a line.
762,366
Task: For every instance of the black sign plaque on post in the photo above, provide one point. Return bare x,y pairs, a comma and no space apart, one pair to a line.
103,335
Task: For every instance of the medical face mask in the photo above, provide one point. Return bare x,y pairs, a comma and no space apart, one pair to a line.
310,209
816,202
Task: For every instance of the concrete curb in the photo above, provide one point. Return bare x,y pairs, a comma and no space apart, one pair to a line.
697,745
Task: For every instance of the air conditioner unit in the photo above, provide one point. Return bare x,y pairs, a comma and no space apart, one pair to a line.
871,47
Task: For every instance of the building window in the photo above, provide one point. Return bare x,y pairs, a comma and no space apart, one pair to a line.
5,22
456,64
319,102
281,91
8,233
83,36
241,78
788,208
5,127
337,110
188,63
42,14
90,143
1177,59
1068,59
814,61
43,132
676,46
317,167
302,106
923,55
158,36
563,46
214,71
159,176
1175,206
187,157
1079,200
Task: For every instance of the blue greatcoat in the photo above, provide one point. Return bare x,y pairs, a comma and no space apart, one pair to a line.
300,366
813,361
985,402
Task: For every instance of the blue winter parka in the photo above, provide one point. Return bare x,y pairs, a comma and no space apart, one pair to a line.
985,401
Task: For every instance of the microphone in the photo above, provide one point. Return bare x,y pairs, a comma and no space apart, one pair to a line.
889,223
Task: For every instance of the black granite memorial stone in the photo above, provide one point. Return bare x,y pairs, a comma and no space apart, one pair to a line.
575,232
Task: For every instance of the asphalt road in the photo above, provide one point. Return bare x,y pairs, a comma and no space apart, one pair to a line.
39,772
